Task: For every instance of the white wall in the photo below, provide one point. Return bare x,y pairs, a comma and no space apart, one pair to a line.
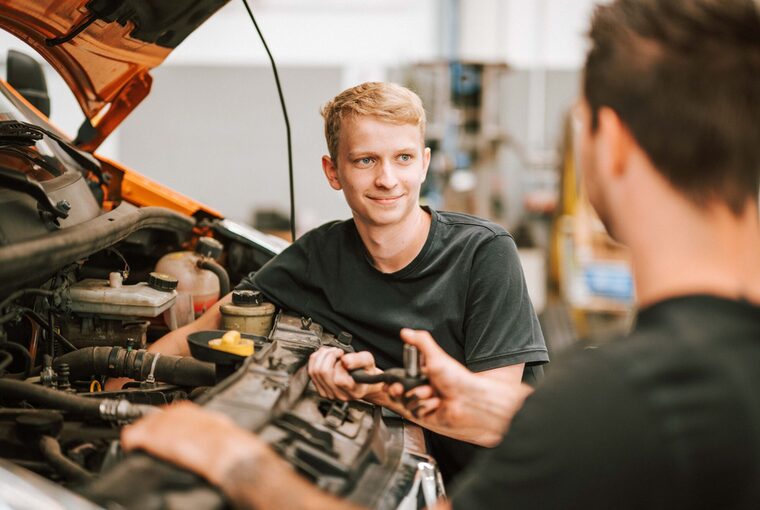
526,33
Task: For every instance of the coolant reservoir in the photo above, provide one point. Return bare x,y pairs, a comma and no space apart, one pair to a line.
197,288
248,313
112,298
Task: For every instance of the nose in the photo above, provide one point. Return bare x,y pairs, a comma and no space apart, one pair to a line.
386,175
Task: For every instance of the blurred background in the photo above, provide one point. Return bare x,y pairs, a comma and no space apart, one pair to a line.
497,78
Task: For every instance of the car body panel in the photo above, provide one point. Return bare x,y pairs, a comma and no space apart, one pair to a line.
106,65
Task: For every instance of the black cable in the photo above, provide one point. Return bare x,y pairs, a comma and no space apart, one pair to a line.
42,322
6,359
24,354
287,124
86,22
24,292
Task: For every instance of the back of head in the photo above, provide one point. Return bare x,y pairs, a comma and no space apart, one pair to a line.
386,101
684,76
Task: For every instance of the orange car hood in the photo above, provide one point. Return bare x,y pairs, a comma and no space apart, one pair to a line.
107,64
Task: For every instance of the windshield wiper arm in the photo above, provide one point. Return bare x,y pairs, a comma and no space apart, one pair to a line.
22,133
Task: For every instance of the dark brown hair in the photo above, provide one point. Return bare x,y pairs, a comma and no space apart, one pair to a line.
684,76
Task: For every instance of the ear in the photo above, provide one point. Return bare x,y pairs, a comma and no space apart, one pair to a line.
331,172
425,162
615,143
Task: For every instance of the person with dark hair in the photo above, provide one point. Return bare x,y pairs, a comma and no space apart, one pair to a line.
668,416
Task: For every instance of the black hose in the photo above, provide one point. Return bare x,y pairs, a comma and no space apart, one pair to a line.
67,468
25,292
8,359
24,354
53,399
220,272
137,364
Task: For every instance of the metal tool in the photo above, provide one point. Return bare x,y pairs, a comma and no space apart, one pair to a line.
409,377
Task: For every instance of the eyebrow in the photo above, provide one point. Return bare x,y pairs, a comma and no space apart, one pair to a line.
356,154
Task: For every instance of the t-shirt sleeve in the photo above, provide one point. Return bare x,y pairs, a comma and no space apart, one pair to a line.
583,440
501,327
280,278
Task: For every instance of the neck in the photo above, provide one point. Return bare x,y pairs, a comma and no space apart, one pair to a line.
393,247
694,251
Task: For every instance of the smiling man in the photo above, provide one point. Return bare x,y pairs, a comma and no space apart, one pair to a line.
396,264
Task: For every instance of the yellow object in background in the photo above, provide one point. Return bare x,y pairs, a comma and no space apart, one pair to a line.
233,343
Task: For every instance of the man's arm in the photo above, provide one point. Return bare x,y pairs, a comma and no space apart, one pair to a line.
242,466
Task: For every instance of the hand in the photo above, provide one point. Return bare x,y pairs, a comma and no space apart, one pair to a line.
458,402
329,369
205,442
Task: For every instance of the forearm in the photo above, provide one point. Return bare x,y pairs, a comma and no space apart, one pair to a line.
265,481
175,343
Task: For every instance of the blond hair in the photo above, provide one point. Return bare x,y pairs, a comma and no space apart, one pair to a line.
386,101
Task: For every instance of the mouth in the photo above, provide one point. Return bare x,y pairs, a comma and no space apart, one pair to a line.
385,200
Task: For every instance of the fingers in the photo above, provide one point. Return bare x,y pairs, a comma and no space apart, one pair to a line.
357,360
423,408
423,341
444,372
321,368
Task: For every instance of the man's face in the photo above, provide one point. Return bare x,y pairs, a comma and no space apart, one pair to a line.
380,169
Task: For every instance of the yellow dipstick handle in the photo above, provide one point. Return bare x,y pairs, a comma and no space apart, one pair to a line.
233,343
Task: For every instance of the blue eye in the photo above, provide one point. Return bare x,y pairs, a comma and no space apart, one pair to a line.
405,157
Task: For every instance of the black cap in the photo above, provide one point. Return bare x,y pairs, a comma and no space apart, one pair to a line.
345,338
162,282
209,247
246,297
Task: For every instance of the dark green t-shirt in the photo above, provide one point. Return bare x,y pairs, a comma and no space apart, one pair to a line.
466,287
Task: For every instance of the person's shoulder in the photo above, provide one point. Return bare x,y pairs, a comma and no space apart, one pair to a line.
467,224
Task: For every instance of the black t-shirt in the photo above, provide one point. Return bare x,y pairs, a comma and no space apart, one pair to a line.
466,287
668,417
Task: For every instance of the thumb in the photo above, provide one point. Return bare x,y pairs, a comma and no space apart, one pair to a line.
424,342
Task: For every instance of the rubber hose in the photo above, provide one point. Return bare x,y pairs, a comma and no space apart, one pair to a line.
67,468
220,272
137,364
24,354
53,399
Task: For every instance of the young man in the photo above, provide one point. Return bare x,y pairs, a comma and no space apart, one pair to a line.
667,417
396,264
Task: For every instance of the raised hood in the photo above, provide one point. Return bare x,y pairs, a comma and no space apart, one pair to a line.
105,49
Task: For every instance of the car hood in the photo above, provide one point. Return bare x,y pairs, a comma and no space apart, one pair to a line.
105,49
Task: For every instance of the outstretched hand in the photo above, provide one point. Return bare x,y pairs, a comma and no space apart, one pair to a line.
458,402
